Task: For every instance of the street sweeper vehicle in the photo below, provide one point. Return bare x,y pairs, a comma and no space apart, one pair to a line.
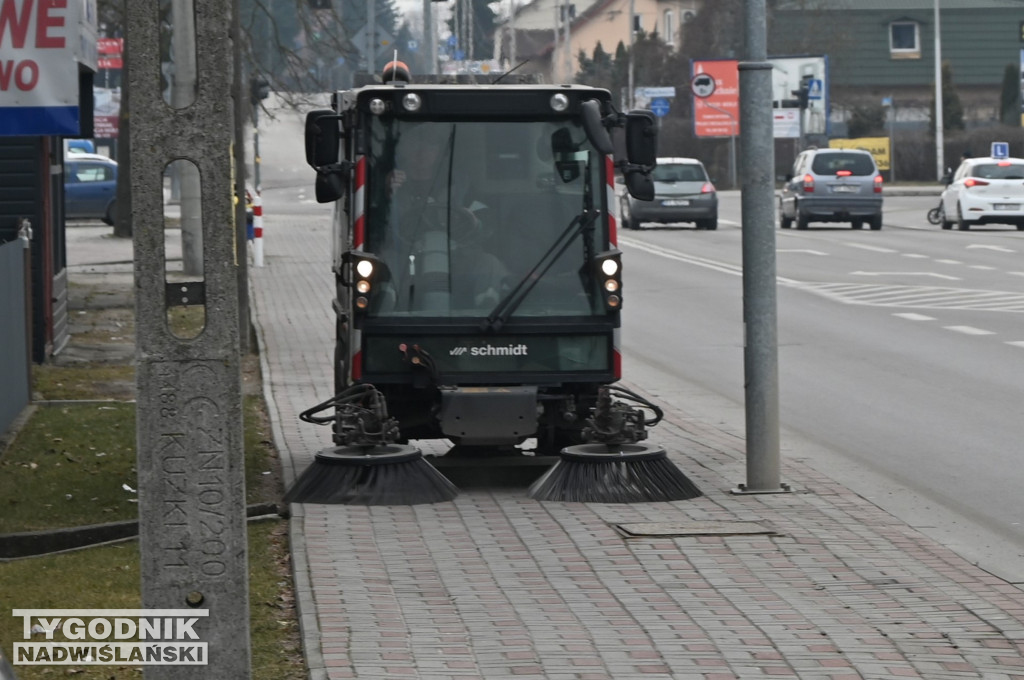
478,283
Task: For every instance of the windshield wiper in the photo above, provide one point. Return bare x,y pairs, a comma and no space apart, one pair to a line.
508,304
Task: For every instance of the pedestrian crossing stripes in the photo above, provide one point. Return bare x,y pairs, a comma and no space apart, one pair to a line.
921,297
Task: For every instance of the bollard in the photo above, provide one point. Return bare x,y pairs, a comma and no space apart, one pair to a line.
257,230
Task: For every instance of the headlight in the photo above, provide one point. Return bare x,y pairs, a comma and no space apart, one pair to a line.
364,268
609,269
412,102
559,102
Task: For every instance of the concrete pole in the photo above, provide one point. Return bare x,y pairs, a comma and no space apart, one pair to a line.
940,160
191,482
759,301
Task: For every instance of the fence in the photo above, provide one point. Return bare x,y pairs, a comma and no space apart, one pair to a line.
15,389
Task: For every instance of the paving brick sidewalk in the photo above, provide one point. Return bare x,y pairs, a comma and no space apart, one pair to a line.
494,585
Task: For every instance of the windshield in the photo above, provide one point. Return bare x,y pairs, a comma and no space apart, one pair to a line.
1004,170
679,172
460,213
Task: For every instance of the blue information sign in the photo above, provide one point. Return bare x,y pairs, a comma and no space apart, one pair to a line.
1000,149
659,106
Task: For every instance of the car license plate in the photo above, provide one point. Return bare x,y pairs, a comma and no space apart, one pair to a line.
1007,206
676,202
844,188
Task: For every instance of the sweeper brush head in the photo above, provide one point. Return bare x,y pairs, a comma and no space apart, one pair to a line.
625,473
380,475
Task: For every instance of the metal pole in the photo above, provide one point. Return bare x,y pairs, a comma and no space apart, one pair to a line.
429,41
940,161
632,24
371,35
256,147
759,301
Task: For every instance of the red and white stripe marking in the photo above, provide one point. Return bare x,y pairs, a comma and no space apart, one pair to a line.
257,230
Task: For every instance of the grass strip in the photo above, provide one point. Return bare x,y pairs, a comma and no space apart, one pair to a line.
107,577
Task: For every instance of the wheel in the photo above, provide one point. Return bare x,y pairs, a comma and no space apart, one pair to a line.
1020,227
802,220
961,223
875,222
784,222
857,224
935,215
625,215
111,215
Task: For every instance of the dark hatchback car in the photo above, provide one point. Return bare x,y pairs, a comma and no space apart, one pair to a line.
832,185
682,193
90,187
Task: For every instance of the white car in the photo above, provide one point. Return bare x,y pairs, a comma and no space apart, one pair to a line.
985,191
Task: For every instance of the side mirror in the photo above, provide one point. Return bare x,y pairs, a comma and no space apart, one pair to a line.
639,185
330,185
597,133
641,138
322,137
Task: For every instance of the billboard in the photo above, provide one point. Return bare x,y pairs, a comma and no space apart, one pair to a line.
41,45
876,146
718,114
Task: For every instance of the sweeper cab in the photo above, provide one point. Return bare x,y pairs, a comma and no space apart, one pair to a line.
478,283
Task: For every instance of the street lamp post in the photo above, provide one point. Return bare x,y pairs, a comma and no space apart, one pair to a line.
940,161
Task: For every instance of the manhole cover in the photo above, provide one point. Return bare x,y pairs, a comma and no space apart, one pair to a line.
661,529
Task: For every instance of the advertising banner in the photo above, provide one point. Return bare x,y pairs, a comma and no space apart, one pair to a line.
876,146
39,48
718,114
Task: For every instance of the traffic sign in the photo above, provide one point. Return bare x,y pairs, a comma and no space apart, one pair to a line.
660,107
815,89
1000,149
655,92
702,85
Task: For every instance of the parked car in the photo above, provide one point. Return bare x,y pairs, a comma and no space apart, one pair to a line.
985,191
90,187
683,192
832,185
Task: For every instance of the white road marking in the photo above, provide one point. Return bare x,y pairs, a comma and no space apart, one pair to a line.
911,316
985,246
914,256
938,276
983,267
1016,343
949,261
874,249
800,250
969,330
1016,273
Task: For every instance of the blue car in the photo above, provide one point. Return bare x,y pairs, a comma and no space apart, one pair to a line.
90,187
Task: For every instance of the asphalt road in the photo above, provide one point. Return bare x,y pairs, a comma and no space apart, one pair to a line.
901,352
901,358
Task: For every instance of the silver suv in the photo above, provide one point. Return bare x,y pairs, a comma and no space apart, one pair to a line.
832,185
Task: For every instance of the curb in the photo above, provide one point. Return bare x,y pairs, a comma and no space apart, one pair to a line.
36,543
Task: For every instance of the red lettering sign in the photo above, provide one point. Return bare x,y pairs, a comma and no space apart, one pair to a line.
26,74
17,26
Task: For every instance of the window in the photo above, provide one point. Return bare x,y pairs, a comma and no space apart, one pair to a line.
904,40
669,28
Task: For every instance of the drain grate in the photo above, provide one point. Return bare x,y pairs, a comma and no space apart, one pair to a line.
664,529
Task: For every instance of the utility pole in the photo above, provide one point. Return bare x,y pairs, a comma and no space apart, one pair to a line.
940,161
760,351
